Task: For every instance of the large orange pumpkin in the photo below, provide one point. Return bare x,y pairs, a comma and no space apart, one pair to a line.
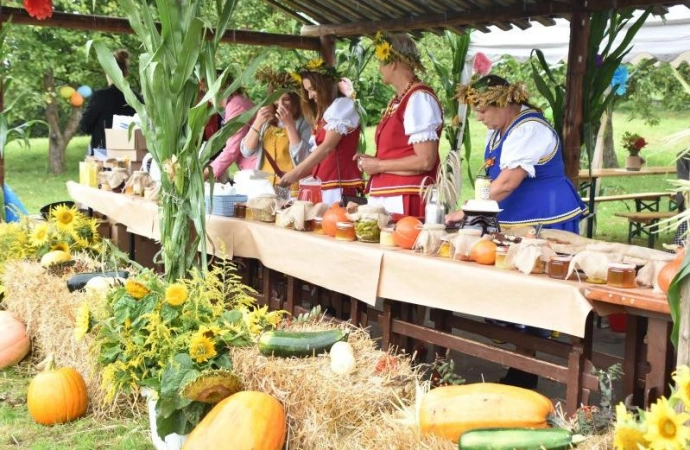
483,252
669,271
406,231
332,216
247,420
57,395
14,342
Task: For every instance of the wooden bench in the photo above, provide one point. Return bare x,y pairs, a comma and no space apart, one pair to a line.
645,222
644,201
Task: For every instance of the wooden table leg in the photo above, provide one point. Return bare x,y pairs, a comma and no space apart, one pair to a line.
579,359
634,349
660,359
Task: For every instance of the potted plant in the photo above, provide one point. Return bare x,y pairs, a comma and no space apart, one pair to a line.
170,341
633,143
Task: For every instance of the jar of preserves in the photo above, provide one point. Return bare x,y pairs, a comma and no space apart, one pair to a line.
386,237
558,267
345,231
318,225
367,229
482,187
621,275
240,210
446,250
501,253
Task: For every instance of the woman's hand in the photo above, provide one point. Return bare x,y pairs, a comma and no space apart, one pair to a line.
454,217
265,114
285,117
369,164
289,178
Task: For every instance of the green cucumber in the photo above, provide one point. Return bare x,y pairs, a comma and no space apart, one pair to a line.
516,439
298,343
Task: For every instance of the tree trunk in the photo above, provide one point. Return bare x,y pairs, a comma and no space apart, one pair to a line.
58,139
610,158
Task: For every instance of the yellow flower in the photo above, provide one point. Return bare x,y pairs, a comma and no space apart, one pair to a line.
629,436
136,289
201,348
622,414
314,64
82,321
64,246
682,379
63,216
176,294
40,235
297,77
210,331
665,427
383,51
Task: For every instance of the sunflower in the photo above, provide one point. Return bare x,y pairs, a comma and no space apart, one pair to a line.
201,348
665,427
297,77
40,235
622,414
383,51
176,294
136,289
314,64
629,436
64,216
210,331
61,245
682,379
83,320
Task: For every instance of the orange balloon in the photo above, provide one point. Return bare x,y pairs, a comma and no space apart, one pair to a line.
76,100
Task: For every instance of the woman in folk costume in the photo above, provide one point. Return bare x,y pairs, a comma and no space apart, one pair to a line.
279,135
408,134
336,130
523,158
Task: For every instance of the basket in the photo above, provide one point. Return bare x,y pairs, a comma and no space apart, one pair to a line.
223,205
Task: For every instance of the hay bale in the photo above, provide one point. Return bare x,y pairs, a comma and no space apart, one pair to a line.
329,411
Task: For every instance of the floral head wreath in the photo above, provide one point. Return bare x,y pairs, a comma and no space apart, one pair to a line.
279,80
317,65
386,53
491,91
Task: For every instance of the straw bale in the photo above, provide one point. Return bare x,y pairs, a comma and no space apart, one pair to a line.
41,299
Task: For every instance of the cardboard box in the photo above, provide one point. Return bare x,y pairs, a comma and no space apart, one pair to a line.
119,145
132,155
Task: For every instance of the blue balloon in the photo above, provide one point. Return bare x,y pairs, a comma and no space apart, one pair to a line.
619,82
85,91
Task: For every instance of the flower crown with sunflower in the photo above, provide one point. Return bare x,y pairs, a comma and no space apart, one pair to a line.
491,91
386,53
316,65
279,80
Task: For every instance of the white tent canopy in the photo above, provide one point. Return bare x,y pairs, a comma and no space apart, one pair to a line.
664,38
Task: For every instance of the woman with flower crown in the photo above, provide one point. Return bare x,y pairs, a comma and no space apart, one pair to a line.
335,133
408,134
278,139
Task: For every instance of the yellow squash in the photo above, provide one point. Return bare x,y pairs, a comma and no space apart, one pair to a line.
449,411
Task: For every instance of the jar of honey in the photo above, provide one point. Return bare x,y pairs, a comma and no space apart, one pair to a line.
240,210
446,250
558,267
345,231
501,253
386,237
317,228
621,275
539,266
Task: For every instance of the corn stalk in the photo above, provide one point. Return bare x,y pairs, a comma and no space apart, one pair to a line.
177,50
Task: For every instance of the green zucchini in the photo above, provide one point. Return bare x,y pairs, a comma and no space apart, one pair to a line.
516,439
298,343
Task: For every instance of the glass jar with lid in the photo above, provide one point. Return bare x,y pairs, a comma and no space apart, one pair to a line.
621,275
345,231
367,220
558,267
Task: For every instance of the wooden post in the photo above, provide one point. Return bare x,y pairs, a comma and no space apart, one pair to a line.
577,67
328,49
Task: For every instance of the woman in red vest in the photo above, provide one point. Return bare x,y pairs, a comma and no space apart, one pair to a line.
335,134
408,134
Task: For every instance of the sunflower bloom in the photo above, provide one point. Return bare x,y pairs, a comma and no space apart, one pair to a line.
201,348
64,246
314,64
383,51
682,379
40,235
176,294
629,436
64,216
297,77
665,427
136,289
82,322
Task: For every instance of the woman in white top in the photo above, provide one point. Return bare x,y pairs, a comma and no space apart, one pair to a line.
335,134
408,134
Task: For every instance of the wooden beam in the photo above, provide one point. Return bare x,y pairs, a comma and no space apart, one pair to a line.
120,25
572,120
524,10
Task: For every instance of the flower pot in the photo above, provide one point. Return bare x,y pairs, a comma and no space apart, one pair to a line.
172,441
633,163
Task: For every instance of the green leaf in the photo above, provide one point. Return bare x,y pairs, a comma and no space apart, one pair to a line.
674,296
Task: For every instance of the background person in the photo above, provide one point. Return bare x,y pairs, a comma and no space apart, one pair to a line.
408,134
336,130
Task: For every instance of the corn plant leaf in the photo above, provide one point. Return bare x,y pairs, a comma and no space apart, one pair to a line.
674,296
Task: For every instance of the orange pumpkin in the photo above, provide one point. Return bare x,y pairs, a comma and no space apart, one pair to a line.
332,216
669,271
483,252
14,342
57,395
406,231
257,422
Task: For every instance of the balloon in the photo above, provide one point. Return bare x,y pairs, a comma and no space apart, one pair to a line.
66,91
76,100
84,91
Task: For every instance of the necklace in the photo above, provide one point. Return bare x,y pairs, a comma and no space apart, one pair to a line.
395,101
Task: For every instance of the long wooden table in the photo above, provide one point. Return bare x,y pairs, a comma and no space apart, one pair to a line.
588,180
389,286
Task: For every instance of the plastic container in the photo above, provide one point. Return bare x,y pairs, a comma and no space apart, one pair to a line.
558,267
345,231
386,237
621,275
